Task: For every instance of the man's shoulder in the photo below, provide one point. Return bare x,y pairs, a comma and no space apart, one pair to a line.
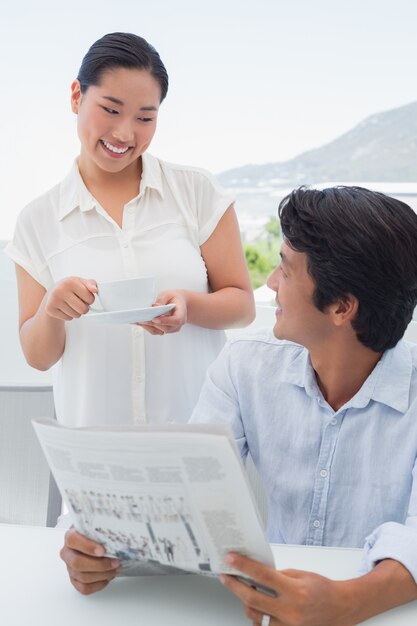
405,351
261,345
412,348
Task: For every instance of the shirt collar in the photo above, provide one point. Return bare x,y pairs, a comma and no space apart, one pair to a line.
388,383
151,174
300,372
74,194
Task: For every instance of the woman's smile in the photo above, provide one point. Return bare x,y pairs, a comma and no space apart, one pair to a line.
114,151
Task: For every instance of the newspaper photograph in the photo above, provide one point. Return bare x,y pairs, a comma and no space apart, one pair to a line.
162,499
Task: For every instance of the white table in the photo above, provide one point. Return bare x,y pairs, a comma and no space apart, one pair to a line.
34,588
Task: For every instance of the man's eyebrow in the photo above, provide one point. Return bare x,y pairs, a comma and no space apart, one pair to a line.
284,259
121,103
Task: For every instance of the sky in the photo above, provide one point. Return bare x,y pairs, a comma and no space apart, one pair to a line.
250,81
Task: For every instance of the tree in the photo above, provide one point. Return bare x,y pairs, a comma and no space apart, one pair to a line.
262,255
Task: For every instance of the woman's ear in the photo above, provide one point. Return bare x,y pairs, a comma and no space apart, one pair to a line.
344,310
75,96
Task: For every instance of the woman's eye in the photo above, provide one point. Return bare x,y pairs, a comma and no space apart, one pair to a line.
111,111
146,119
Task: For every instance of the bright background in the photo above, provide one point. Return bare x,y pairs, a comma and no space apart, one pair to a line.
251,81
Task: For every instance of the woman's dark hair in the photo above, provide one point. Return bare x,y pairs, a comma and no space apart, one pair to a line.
362,243
121,50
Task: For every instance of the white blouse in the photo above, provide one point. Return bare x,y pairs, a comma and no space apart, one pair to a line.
120,373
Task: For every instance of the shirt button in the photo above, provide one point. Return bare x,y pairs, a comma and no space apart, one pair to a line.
323,473
333,422
316,523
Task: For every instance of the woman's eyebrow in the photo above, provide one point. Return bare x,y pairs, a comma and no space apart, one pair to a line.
114,100
121,103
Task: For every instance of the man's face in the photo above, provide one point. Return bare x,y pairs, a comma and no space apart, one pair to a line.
297,318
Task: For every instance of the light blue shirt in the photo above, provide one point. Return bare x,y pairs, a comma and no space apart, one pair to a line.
332,478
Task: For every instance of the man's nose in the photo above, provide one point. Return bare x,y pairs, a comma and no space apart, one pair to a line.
273,280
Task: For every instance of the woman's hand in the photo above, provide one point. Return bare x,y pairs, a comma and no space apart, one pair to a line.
89,570
70,298
173,321
229,302
42,315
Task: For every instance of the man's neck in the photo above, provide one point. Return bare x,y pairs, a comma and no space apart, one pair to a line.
341,370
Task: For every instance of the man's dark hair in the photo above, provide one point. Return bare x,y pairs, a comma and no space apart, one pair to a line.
121,50
357,242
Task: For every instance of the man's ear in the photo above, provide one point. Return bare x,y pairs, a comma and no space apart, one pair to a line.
75,96
344,310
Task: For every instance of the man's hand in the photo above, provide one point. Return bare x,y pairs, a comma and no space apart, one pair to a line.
89,570
302,598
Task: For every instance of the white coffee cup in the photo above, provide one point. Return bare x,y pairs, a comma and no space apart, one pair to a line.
125,294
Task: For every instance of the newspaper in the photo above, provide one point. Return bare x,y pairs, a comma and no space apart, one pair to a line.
163,499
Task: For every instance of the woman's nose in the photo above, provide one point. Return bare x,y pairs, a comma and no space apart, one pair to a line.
123,132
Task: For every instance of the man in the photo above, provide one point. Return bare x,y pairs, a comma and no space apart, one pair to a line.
328,410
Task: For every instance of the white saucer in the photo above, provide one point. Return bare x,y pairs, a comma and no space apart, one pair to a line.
131,316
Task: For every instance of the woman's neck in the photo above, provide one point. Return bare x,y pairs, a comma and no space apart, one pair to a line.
112,190
95,177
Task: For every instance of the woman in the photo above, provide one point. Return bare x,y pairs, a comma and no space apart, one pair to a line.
122,213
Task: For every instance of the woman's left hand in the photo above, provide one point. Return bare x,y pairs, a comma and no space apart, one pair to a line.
171,322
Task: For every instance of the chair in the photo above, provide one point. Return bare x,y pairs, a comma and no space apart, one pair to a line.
29,494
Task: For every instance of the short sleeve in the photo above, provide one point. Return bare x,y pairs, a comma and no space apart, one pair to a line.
25,249
212,201
218,402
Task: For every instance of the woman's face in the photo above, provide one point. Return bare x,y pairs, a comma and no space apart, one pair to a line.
116,119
